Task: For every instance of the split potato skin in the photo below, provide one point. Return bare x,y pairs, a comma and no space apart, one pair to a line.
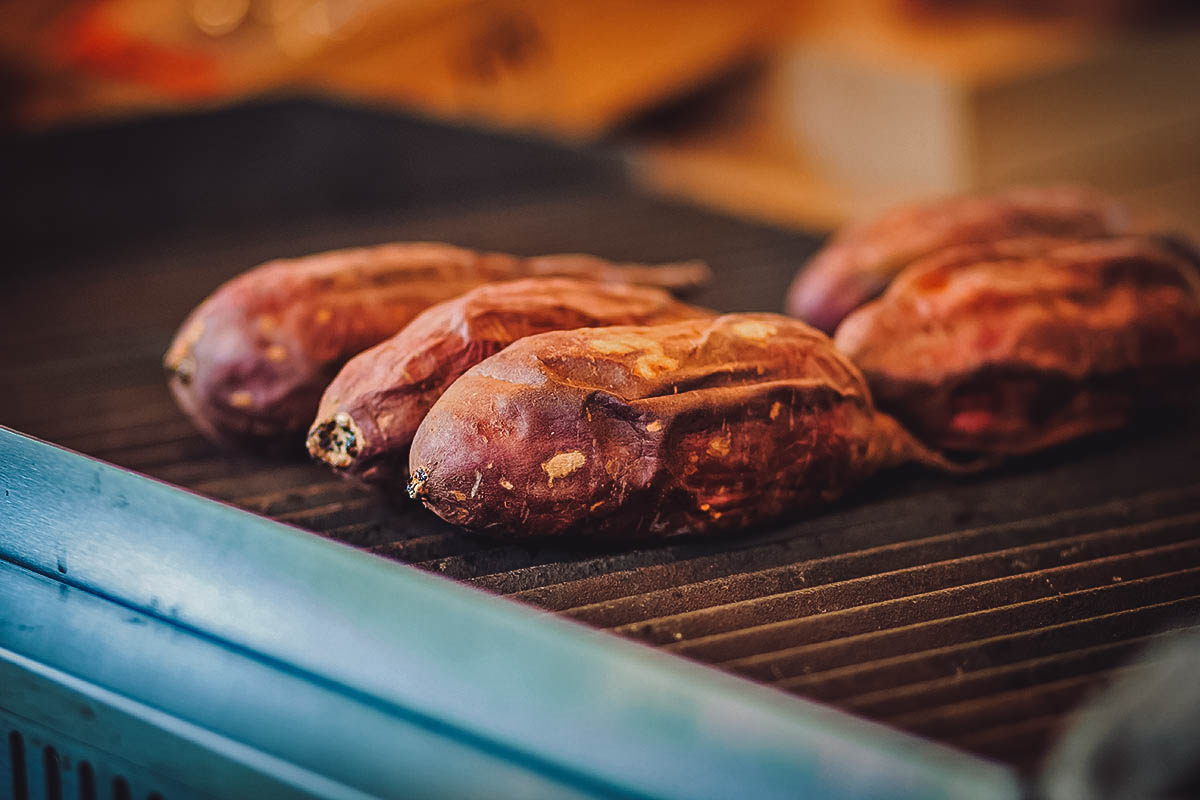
249,364
860,261
370,412
1010,347
636,433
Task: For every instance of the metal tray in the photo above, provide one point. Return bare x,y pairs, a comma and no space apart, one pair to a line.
186,648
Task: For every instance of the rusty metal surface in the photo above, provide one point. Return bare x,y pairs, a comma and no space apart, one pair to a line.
974,611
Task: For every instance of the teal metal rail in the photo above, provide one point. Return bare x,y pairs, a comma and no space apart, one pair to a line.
182,648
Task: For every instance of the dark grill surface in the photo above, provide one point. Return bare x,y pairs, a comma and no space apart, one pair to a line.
973,611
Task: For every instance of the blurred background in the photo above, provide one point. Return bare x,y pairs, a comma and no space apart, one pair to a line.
803,113
152,149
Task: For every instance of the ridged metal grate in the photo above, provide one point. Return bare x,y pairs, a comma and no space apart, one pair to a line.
973,611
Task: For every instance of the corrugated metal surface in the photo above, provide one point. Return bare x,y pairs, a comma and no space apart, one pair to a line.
974,611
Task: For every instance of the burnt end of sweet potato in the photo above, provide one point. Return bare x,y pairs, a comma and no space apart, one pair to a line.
371,410
634,433
861,261
1011,347
250,363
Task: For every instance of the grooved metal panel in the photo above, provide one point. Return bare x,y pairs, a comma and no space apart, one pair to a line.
975,611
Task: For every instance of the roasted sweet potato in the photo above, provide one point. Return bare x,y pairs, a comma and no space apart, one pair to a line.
862,260
371,410
1013,346
644,432
250,363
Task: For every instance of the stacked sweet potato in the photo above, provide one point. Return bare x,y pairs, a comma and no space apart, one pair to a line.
566,395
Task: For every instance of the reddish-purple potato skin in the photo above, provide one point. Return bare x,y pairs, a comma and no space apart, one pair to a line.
862,260
371,410
1011,347
638,433
250,362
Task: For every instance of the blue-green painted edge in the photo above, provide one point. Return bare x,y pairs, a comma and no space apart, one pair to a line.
576,705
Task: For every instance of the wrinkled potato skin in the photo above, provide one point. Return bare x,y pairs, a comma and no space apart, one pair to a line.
1011,347
249,364
862,260
636,433
380,397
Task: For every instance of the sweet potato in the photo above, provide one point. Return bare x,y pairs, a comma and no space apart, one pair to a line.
250,363
644,432
371,410
861,261
1013,346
